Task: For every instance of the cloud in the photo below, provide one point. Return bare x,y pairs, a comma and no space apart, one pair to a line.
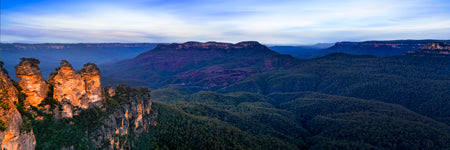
268,21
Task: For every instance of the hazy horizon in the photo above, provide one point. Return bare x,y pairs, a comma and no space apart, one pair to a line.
308,44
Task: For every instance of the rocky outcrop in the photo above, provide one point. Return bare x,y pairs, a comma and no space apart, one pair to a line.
31,81
90,75
128,110
68,89
377,48
11,136
75,91
129,119
433,48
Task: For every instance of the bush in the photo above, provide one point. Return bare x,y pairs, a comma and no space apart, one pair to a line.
2,125
5,105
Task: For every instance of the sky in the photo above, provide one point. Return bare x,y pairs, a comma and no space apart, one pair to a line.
293,22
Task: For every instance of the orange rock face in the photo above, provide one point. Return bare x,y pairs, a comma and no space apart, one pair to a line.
433,48
91,77
11,137
76,91
31,81
68,86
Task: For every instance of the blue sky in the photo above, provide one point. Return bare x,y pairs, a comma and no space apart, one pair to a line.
267,21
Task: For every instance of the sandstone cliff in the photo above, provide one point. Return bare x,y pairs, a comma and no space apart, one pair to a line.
120,116
128,115
377,48
11,136
433,48
31,81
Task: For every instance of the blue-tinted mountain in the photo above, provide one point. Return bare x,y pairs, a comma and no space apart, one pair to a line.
306,51
202,65
376,48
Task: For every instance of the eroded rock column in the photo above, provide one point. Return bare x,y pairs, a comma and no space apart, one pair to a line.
76,91
91,77
31,81
68,89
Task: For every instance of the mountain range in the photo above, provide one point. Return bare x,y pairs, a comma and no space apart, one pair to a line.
377,48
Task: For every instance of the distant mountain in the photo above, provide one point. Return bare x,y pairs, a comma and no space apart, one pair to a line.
377,48
50,54
305,51
434,48
203,65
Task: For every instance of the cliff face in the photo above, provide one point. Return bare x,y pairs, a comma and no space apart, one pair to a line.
76,91
377,48
11,136
437,46
31,81
132,117
433,48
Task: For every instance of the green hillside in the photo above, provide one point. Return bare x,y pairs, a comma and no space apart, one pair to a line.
418,83
317,121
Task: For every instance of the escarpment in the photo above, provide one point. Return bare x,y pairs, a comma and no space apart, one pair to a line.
129,113
12,132
433,48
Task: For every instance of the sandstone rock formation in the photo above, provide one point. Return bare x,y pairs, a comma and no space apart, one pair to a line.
132,117
433,48
76,91
128,110
91,77
31,81
11,136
